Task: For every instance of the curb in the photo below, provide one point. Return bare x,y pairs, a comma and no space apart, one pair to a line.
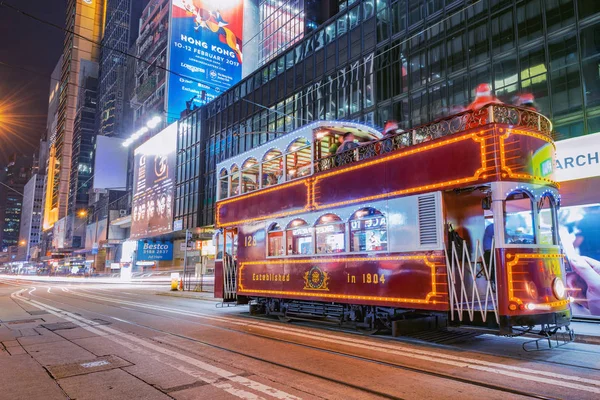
188,296
587,339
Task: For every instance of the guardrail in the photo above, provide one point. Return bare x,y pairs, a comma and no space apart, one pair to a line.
492,113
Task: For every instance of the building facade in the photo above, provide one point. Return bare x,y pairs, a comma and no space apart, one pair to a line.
31,216
411,61
150,76
18,171
120,32
84,139
85,19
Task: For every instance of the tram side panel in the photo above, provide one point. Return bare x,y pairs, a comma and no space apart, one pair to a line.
413,281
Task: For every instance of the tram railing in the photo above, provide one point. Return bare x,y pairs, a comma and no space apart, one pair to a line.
492,113
471,283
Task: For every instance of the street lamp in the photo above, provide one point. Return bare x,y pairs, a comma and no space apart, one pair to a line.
82,213
22,242
151,124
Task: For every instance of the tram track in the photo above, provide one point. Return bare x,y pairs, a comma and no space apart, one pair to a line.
301,345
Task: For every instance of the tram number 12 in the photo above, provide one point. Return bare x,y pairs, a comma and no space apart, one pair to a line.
250,241
373,278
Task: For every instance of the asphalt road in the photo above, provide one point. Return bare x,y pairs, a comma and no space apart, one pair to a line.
108,341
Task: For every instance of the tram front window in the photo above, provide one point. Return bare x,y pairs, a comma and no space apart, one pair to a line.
546,221
518,219
299,238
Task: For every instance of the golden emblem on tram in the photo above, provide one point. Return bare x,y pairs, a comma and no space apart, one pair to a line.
316,279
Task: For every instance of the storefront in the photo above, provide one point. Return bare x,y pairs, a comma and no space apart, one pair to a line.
578,171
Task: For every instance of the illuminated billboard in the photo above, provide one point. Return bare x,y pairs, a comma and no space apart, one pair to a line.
205,51
153,185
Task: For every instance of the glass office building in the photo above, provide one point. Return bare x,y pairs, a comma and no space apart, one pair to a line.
408,60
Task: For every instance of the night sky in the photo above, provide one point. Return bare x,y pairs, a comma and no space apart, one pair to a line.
27,43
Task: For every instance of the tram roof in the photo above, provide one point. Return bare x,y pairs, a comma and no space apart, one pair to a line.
306,132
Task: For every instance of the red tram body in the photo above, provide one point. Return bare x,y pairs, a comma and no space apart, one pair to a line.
363,235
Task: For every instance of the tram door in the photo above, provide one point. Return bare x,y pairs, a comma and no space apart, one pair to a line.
471,271
229,249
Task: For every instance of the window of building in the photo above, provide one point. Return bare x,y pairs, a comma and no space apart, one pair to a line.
250,171
368,231
330,232
503,35
299,237
275,241
272,169
478,43
298,159
534,76
559,13
546,220
506,77
455,50
529,17
224,185
235,181
518,219
354,17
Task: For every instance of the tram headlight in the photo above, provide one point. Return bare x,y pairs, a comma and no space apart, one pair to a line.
531,289
558,287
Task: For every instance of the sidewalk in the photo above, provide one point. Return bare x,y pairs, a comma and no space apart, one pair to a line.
586,332
207,296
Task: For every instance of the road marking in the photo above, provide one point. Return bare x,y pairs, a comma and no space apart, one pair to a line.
249,383
49,289
400,350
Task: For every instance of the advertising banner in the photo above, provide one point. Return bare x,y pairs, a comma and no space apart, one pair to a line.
578,170
154,251
153,185
205,51
578,158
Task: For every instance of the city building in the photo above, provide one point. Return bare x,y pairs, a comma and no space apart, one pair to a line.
411,61
149,95
31,217
18,172
120,32
84,25
83,146
84,139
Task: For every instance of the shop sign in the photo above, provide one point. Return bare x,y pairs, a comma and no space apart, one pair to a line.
578,158
154,251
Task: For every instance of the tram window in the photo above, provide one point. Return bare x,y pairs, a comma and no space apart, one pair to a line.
330,233
224,185
272,169
368,231
299,238
275,241
518,219
546,221
250,176
235,181
298,159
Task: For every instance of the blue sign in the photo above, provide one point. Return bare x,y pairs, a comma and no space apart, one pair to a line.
205,51
154,251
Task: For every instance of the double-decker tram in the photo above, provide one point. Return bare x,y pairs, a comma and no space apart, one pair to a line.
456,218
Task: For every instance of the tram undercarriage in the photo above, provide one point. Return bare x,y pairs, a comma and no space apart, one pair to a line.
553,328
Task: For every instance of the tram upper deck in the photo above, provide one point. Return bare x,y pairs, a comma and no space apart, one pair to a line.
497,142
